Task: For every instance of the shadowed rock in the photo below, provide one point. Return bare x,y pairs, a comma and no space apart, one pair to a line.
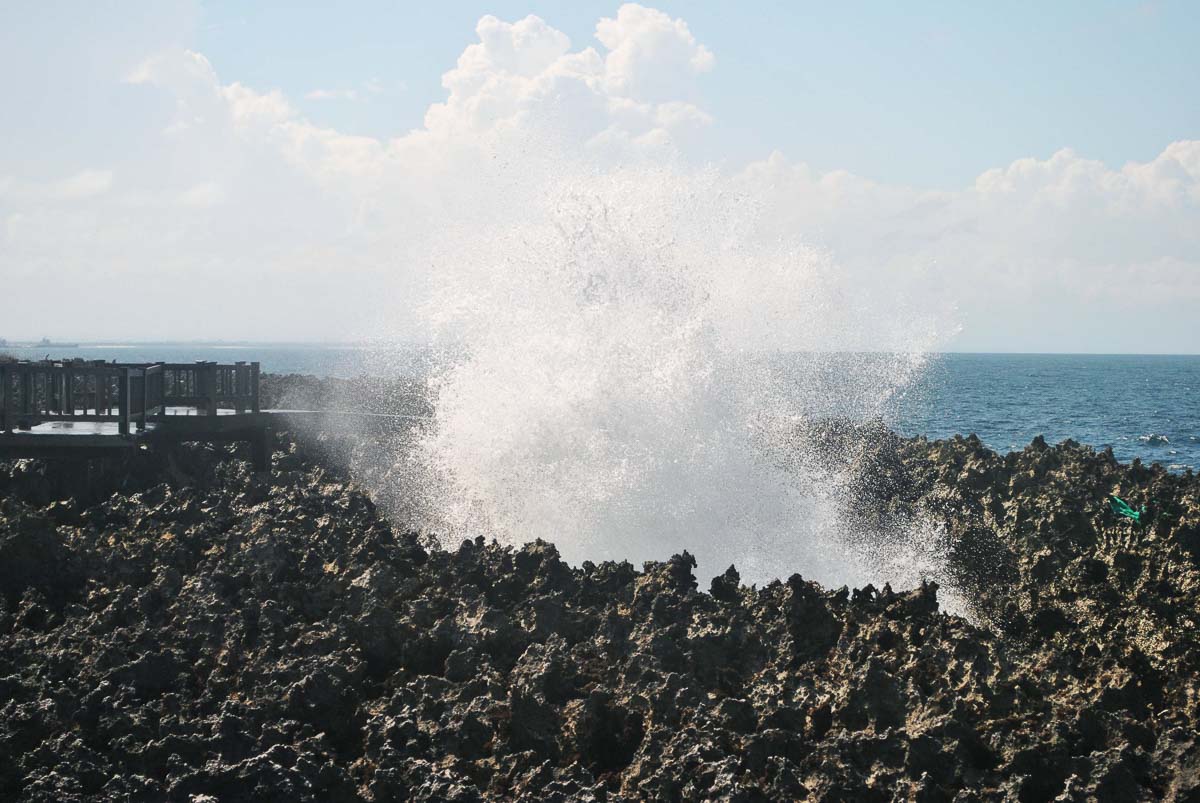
217,637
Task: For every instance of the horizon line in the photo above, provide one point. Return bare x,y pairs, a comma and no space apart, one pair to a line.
25,344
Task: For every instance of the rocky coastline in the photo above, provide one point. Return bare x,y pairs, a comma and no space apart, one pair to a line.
195,632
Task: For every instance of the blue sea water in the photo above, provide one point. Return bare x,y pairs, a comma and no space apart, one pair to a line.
1145,406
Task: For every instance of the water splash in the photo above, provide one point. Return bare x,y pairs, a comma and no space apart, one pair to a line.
633,359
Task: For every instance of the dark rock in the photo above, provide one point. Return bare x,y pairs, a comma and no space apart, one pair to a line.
725,587
222,637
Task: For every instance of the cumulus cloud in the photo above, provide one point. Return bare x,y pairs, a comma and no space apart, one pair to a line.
525,72
204,194
85,184
650,55
331,94
1078,253
232,187
233,181
368,90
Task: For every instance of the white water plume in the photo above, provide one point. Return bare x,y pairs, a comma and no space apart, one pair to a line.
624,389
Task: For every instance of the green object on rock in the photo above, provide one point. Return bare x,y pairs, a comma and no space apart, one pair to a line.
1119,506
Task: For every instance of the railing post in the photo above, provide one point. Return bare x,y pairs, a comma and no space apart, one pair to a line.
101,392
145,400
206,377
211,402
240,380
27,392
60,390
123,402
24,405
3,400
201,389
255,406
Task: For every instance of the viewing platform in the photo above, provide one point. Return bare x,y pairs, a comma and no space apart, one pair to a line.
86,409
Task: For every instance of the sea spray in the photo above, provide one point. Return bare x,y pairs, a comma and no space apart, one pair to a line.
632,361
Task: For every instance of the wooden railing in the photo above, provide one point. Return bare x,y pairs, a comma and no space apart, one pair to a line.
132,395
210,386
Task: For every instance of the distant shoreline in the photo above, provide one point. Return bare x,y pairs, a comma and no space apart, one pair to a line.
30,345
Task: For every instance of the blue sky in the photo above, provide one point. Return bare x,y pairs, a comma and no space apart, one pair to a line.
1029,171
926,94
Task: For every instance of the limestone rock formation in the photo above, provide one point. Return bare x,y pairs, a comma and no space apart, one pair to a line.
219,636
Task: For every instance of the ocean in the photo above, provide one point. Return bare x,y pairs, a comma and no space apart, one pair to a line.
1143,406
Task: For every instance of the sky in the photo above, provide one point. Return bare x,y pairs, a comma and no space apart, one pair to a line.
283,170
924,94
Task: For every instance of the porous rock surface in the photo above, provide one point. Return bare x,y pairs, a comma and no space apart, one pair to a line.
222,636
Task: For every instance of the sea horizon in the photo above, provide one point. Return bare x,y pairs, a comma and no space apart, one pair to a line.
26,344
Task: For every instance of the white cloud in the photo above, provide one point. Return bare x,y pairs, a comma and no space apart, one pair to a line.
651,56
1073,243
369,89
525,72
85,184
231,180
251,108
332,94
204,194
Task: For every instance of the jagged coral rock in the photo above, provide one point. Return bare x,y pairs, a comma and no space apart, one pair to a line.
218,637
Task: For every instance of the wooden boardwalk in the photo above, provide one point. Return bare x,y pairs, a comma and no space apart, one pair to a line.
85,409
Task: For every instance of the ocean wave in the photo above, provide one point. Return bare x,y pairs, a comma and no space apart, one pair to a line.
1153,439
603,398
